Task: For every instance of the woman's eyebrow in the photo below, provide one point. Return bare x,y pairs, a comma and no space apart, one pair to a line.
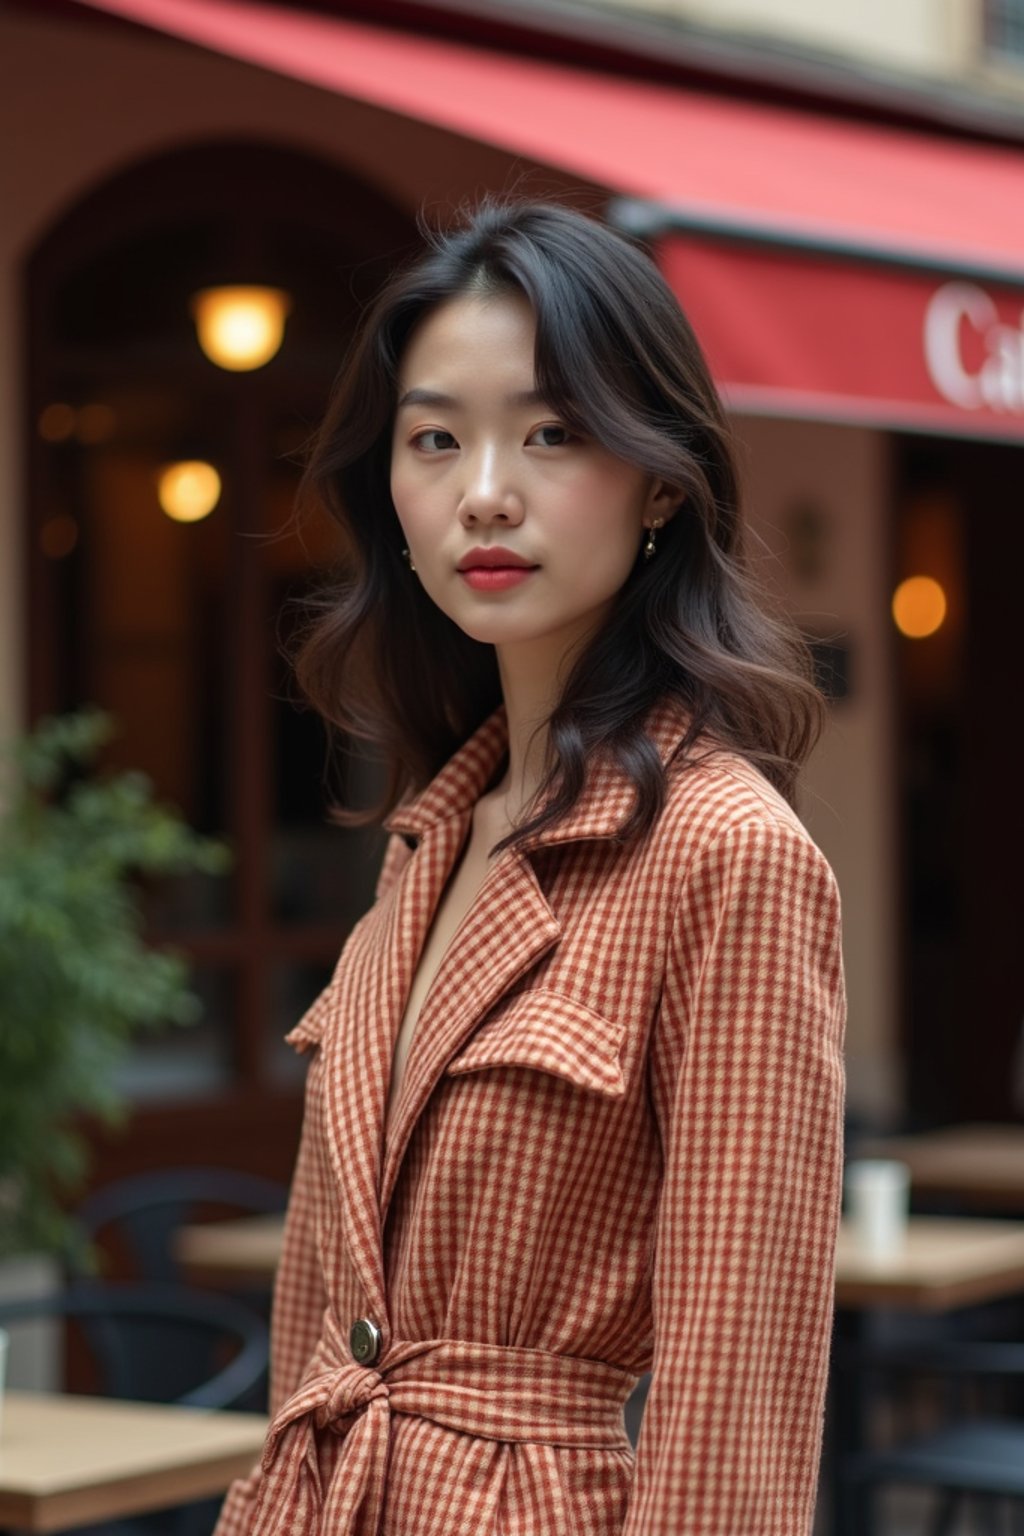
452,402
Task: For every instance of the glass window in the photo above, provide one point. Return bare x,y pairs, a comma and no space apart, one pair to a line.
176,622
1004,29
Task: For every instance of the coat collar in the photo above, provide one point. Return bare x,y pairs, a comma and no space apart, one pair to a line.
603,805
376,986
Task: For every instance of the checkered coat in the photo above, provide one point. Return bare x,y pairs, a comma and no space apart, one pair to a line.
617,1149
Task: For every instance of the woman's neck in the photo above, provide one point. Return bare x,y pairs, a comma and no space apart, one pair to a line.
530,685
533,675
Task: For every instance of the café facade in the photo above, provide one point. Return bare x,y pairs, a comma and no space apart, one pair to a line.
858,287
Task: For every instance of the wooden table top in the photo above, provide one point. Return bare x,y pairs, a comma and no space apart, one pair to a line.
67,1460
244,1250
980,1165
948,1261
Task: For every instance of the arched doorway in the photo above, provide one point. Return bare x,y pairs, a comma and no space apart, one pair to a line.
175,627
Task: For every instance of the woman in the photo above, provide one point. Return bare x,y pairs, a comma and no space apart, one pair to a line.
575,1094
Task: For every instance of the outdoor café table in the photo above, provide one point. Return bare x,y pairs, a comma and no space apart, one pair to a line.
243,1251
947,1262
67,1460
979,1166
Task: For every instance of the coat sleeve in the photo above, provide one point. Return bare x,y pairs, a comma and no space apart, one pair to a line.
296,1317
300,1296
748,1084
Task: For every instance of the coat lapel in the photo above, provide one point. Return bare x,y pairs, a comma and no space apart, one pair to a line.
509,927
371,991
369,1002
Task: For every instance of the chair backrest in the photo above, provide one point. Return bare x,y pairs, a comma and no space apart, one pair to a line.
156,1343
142,1213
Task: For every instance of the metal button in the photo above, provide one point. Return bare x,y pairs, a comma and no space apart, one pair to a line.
364,1340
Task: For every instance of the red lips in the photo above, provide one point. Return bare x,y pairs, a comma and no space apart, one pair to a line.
492,556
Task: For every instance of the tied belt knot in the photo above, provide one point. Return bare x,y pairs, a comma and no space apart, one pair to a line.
495,1391
337,1394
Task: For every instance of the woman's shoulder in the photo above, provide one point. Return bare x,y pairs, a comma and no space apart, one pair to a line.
714,787
718,802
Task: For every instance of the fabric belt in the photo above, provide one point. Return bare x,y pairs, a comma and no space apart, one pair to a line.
494,1391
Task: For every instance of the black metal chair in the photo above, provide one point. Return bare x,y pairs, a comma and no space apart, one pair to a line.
974,1453
134,1335
155,1343
142,1213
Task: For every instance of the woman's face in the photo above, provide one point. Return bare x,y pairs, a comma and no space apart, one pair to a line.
479,461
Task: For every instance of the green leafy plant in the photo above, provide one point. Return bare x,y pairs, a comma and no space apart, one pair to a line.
77,979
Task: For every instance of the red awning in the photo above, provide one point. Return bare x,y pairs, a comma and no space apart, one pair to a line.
831,269
793,334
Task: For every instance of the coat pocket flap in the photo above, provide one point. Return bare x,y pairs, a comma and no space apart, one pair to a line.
551,1033
305,1036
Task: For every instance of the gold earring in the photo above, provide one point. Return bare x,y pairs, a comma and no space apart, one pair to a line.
408,557
649,549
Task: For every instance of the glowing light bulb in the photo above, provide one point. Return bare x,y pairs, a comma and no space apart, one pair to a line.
188,490
918,607
240,328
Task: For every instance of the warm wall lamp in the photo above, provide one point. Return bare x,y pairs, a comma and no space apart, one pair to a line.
240,328
188,490
919,607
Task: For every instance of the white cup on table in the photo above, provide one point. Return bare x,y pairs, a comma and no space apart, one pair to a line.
878,1205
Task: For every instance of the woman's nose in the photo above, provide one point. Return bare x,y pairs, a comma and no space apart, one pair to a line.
489,490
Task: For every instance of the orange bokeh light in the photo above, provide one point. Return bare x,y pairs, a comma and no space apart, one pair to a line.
919,607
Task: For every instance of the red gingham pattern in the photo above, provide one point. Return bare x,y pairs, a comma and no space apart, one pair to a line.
617,1148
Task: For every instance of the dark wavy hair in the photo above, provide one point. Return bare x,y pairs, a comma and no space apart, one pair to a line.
618,360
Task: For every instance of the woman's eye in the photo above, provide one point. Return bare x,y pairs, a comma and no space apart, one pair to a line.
433,440
562,435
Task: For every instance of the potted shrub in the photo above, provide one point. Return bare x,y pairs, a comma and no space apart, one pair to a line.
77,980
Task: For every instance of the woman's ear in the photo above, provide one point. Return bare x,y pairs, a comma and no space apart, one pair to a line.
663,500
